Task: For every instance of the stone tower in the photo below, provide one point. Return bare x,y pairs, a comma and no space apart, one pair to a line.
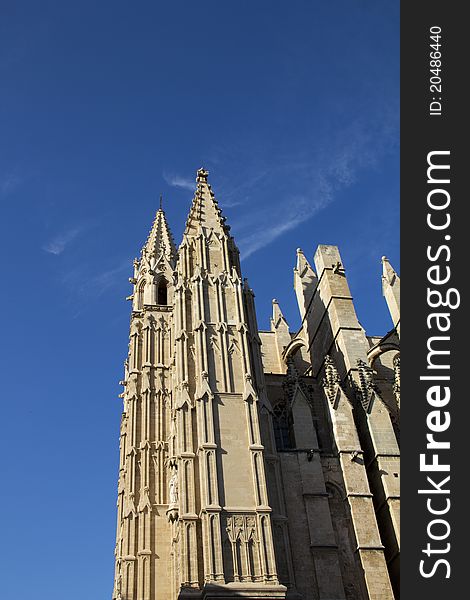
254,464
193,511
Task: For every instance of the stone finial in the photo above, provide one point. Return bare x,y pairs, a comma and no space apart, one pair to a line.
305,282
205,220
277,316
303,267
391,291
388,272
201,175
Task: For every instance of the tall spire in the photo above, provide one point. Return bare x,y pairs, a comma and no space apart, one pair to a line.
154,269
216,250
391,291
205,211
160,241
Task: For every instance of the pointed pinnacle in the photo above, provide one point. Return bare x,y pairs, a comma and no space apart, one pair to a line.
160,238
303,267
277,314
388,272
204,210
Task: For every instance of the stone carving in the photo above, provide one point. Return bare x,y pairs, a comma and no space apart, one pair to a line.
172,512
203,388
396,384
173,485
250,531
331,382
367,387
249,390
243,537
155,463
201,176
233,346
337,267
214,343
183,396
146,379
145,500
294,382
129,505
131,387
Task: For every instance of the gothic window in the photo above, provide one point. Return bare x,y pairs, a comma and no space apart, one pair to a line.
140,295
162,293
283,431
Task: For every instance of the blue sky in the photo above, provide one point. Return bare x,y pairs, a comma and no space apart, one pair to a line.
293,109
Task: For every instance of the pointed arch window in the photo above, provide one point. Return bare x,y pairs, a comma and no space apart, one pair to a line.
283,429
162,292
140,295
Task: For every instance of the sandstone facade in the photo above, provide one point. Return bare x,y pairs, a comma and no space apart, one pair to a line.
254,464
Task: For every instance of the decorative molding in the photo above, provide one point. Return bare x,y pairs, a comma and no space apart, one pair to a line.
294,383
396,384
367,388
331,381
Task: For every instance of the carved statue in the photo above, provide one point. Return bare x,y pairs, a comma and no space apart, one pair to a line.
131,387
174,489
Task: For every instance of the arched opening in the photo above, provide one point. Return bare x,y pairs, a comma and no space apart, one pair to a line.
293,347
140,295
282,424
162,293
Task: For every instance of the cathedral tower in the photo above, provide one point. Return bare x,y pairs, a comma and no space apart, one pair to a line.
254,464
144,474
193,512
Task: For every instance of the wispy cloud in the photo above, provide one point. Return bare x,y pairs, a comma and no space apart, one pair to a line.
107,279
58,244
237,195
295,211
306,186
179,182
259,239
85,285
